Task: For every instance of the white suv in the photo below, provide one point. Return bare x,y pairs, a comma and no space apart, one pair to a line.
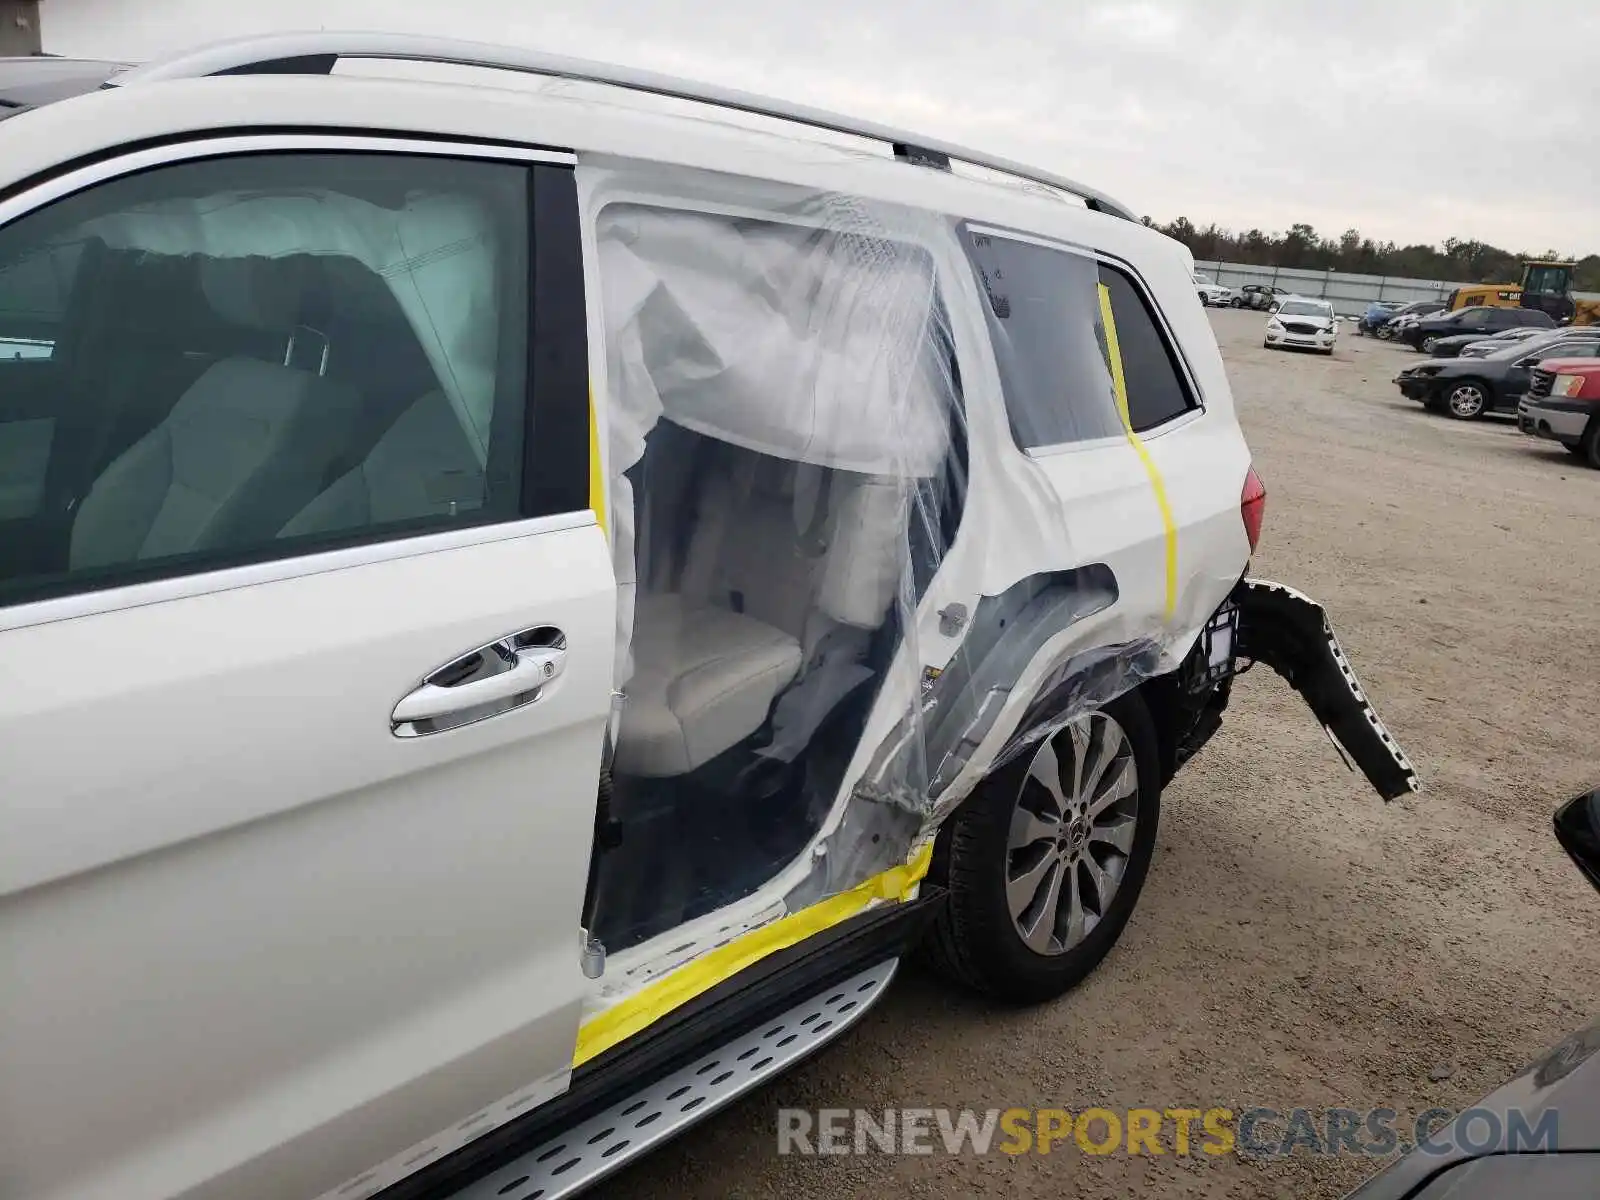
518,609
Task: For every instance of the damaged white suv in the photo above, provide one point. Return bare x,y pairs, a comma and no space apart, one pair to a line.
519,607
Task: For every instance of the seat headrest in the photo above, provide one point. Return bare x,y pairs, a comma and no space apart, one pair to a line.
257,293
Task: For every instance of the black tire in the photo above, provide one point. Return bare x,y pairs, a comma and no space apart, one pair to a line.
1236,303
1204,302
1428,342
974,941
1588,447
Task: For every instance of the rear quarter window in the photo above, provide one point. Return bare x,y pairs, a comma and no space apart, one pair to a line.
1047,309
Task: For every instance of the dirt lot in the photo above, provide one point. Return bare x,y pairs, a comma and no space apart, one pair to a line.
1299,943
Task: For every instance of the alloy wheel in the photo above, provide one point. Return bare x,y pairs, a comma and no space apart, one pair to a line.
1466,400
1072,831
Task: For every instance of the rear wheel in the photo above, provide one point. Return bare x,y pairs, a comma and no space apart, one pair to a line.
1466,400
1046,862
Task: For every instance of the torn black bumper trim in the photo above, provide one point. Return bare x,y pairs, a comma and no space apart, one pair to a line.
1290,633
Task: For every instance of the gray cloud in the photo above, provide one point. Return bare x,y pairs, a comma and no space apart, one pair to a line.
1412,121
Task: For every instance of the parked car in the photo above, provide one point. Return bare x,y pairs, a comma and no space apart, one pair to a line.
1478,347
491,672
1563,403
1539,1134
1211,293
1256,295
1467,388
1408,314
1301,323
1451,347
1482,321
1376,314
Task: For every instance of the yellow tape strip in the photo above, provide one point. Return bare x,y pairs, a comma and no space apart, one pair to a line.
651,1003
1157,484
597,483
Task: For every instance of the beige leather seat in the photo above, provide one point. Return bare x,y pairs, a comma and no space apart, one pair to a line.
421,467
243,449
779,554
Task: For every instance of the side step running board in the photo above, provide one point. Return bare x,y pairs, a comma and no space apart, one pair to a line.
579,1157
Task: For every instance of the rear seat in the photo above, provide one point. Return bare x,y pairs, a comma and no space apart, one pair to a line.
779,559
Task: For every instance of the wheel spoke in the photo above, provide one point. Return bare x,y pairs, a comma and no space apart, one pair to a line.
1104,884
1106,741
1046,769
1079,731
1075,923
1042,931
1028,828
1117,833
1022,890
1120,784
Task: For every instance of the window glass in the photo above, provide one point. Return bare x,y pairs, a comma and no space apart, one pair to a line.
1305,308
1045,321
249,357
1156,390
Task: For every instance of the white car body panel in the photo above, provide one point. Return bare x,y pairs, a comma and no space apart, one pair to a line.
240,899
317,836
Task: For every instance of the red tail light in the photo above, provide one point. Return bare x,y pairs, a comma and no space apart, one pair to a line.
1253,506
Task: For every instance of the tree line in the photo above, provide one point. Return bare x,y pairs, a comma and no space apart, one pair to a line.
1303,247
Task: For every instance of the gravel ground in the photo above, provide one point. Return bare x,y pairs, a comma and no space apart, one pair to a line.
1299,943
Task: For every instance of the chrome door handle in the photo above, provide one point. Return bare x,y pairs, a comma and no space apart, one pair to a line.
490,680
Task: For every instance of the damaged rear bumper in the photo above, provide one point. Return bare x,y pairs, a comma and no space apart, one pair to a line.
1290,633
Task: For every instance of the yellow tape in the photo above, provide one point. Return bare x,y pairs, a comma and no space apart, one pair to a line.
1120,383
651,1003
597,483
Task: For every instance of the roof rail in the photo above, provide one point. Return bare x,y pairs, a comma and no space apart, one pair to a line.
315,53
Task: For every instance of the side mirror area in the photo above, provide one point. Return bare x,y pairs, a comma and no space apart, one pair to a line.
1578,830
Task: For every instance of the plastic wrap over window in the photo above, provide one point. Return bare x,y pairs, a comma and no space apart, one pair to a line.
794,470
787,456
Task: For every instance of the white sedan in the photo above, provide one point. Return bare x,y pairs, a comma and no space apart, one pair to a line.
1307,324
1211,292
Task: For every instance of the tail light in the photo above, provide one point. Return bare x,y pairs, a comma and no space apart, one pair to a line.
1252,507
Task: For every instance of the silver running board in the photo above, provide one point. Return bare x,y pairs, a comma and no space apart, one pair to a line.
586,1153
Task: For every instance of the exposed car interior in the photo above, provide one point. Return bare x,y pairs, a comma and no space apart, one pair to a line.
773,589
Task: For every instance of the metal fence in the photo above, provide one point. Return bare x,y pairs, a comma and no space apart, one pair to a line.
1349,294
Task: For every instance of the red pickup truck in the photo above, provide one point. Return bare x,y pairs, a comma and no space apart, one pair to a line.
1563,403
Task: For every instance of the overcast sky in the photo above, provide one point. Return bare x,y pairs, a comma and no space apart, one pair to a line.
1413,120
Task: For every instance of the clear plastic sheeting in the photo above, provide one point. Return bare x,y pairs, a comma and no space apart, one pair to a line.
844,589
785,436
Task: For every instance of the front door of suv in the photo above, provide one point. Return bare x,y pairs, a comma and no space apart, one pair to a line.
305,680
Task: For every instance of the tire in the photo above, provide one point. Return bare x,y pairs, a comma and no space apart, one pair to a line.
1236,303
1266,345
1428,343
1588,447
1204,301
1466,399
976,940
1385,333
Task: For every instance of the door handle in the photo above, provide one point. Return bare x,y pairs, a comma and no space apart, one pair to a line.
492,679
